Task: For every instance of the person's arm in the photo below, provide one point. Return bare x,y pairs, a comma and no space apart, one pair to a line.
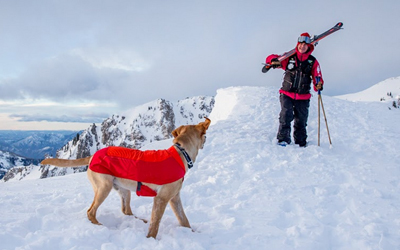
316,72
271,58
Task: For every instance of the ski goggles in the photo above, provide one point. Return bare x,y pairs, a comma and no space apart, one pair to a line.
304,39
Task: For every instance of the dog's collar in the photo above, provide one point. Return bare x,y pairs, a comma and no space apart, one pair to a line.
185,154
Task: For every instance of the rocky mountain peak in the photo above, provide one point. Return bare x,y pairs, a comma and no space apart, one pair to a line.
153,121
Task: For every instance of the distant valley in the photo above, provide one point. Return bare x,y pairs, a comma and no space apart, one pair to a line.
34,144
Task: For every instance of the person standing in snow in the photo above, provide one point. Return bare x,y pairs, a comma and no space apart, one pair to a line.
301,70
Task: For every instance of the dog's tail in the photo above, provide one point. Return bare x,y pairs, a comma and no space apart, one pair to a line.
66,163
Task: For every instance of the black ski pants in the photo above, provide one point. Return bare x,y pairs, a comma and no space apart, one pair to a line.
296,110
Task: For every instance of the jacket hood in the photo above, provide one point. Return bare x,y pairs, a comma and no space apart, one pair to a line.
304,56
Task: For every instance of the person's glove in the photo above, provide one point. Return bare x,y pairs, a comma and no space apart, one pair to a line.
319,86
275,63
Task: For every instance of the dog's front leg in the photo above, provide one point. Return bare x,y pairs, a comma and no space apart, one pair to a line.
176,205
159,205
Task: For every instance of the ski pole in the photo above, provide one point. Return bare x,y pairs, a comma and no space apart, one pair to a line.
319,112
326,122
323,111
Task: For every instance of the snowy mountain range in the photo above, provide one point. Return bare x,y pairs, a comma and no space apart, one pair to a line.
244,191
34,144
9,160
24,149
153,121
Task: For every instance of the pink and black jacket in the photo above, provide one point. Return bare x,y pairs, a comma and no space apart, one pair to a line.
301,71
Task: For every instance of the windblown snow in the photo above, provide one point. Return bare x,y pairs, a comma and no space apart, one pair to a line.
244,192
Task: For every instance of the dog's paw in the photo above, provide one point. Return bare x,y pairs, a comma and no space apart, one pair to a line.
94,221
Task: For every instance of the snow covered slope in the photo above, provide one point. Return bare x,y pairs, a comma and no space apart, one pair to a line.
244,192
387,91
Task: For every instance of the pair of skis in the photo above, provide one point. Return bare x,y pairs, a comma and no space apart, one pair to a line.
314,41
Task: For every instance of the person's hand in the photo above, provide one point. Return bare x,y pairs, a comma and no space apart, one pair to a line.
319,86
275,63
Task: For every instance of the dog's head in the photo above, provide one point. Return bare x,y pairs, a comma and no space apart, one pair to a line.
193,134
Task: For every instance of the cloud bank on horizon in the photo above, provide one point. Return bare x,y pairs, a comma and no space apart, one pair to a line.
102,58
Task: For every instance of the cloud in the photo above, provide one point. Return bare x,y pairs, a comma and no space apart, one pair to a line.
50,111
113,58
55,77
87,118
70,77
129,55
111,75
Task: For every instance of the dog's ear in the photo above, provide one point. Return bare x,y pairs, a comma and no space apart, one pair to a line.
207,123
204,125
177,131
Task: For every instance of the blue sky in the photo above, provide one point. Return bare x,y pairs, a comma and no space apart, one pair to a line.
66,64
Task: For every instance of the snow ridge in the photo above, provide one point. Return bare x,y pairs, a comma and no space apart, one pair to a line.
387,91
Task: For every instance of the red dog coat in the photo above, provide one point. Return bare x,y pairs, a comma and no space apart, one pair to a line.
150,166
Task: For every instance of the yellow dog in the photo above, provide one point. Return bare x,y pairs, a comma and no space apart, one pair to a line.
188,140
